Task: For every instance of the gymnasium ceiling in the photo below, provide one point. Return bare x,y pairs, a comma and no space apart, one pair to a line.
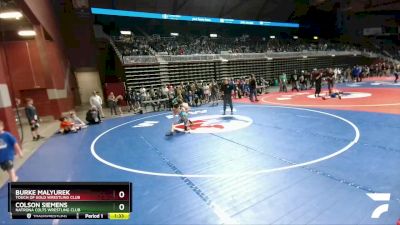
359,5
270,10
273,10
9,28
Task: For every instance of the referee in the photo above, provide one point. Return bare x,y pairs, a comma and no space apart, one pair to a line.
226,90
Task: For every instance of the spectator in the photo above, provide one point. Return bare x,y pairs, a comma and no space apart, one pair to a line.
142,91
318,84
130,100
120,102
67,126
33,119
76,120
138,101
96,101
303,82
93,116
155,101
283,83
164,92
206,92
253,88
293,80
112,103
214,97
330,79
8,148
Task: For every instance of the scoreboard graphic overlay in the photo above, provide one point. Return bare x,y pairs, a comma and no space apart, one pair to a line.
70,200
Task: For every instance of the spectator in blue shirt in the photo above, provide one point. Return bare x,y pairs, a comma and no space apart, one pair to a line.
8,148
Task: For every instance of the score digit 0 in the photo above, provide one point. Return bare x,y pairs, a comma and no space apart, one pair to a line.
121,194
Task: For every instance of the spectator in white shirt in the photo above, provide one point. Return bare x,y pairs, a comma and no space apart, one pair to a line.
96,101
142,93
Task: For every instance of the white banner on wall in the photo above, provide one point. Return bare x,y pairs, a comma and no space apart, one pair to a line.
372,31
80,4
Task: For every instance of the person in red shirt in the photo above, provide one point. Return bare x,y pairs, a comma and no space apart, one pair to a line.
67,126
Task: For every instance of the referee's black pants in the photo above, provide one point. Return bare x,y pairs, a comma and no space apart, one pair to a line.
227,100
317,89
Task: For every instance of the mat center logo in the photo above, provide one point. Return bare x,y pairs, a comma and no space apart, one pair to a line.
216,123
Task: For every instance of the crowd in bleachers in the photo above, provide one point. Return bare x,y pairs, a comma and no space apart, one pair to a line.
128,45
202,92
189,45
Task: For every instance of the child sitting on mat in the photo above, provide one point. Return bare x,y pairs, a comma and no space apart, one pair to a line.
67,126
76,120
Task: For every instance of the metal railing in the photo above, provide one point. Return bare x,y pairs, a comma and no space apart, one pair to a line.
127,60
234,56
114,47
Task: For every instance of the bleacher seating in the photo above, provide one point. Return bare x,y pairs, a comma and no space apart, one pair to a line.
189,45
155,61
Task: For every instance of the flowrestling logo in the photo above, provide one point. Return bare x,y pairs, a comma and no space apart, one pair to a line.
216,123
379,197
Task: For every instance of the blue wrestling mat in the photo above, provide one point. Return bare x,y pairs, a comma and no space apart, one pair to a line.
263,165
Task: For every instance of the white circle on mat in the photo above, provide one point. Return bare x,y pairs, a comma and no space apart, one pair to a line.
248,173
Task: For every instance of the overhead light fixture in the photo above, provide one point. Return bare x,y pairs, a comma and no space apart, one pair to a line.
315,37
213,35
272,36
304,57
295,37
26,33
174,34
333,55
269,58
125,32
10,15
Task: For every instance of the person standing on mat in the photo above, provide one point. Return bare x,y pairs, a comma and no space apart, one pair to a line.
253,88
330,79
8,148
112,103
396,73
293,80
283,83
313,75
214,93
318,83
226,89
